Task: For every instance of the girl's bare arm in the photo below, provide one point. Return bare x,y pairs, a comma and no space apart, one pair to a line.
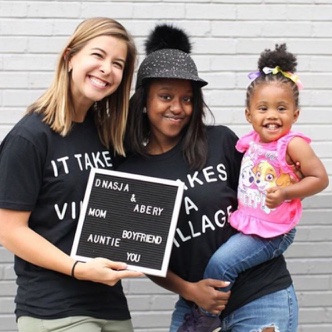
315,178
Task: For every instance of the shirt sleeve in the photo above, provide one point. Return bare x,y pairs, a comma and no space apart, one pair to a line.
21,173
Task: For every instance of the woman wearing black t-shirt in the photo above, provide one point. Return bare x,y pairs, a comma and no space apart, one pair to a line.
45,162
168,139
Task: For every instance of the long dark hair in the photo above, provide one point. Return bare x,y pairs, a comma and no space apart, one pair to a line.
194,140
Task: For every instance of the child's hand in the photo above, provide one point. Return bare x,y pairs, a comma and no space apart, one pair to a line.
274,197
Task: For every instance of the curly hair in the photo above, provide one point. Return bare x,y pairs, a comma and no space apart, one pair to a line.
280,57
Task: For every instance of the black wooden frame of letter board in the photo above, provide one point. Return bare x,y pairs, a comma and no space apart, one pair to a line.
129,218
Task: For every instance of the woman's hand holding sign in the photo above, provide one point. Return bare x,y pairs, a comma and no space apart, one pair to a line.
103,270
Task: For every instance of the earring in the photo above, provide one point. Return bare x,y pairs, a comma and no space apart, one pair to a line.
144,110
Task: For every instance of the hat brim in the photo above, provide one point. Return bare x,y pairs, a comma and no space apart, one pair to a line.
177,75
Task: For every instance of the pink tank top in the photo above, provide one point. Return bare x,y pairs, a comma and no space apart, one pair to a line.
263,166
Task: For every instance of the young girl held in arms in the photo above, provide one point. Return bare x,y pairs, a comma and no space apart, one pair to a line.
269,192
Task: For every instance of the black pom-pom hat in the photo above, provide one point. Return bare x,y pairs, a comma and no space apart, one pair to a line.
167,50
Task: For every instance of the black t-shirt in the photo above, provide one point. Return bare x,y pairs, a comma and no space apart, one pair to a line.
46,173
208,200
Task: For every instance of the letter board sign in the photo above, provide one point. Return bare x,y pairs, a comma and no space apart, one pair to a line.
129,218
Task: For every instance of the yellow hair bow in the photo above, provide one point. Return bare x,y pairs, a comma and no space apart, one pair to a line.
288,74
267,70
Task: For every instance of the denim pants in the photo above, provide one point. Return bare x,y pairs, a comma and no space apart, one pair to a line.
278,310
242,252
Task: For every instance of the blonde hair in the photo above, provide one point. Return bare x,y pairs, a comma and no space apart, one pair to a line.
111,112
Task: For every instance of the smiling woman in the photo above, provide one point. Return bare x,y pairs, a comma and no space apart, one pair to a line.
57,104
168,138
96,72
169,108
45,160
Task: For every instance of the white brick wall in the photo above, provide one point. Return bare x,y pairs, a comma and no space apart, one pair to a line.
228,37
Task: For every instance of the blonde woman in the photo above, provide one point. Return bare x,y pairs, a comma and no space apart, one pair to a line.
77,124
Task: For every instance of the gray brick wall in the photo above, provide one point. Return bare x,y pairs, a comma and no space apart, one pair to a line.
227,39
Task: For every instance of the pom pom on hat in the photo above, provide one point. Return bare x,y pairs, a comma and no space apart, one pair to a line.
167,36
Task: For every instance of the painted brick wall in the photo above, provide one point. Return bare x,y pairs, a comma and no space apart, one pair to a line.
227,39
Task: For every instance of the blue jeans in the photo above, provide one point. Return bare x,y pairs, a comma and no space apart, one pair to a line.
279,309
242,252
